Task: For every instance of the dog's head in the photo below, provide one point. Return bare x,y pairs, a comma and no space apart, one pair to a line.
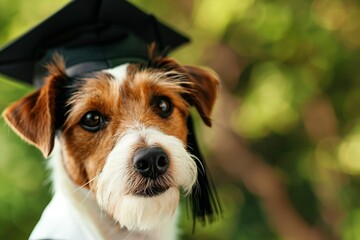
126,135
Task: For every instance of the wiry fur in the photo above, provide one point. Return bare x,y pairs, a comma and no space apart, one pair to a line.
116,184
94,172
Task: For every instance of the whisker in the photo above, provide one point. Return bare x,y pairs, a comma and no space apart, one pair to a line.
91,180
86,197
130,233
199,161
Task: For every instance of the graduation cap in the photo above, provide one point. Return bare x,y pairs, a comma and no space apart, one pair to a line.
91,35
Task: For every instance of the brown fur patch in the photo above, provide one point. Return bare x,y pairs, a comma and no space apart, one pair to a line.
202,84
123,105
32,117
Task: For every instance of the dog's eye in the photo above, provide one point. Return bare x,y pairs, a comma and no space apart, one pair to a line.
92,121
163,106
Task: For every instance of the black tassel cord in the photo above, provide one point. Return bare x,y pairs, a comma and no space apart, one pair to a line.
203,200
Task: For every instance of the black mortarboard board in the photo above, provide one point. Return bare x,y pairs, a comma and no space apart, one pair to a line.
91,35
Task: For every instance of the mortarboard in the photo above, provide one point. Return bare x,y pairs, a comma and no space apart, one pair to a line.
91,35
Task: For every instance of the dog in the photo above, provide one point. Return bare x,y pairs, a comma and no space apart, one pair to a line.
122,148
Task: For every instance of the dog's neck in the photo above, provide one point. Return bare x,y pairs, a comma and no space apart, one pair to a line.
85,213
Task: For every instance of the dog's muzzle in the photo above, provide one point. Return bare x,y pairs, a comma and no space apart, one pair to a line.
152,164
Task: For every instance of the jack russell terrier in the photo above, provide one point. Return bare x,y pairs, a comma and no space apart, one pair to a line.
122,148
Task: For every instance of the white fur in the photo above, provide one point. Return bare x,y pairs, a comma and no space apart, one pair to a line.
73,213
137,212
119,72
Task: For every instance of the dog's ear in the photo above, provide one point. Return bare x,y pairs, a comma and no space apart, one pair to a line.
204,88
33,117
202,84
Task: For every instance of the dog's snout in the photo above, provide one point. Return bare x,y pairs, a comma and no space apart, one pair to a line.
151,162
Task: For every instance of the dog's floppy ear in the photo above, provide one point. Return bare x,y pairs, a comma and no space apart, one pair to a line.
204,86
203,198
33,117
202,83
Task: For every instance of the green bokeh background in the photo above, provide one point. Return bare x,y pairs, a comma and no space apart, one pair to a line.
289,109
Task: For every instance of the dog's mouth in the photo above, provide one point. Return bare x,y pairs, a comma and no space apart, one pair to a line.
147,187
152,191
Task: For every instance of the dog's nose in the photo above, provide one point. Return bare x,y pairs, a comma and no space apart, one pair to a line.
151,162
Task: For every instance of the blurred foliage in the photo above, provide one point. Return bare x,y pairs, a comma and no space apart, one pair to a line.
292,66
